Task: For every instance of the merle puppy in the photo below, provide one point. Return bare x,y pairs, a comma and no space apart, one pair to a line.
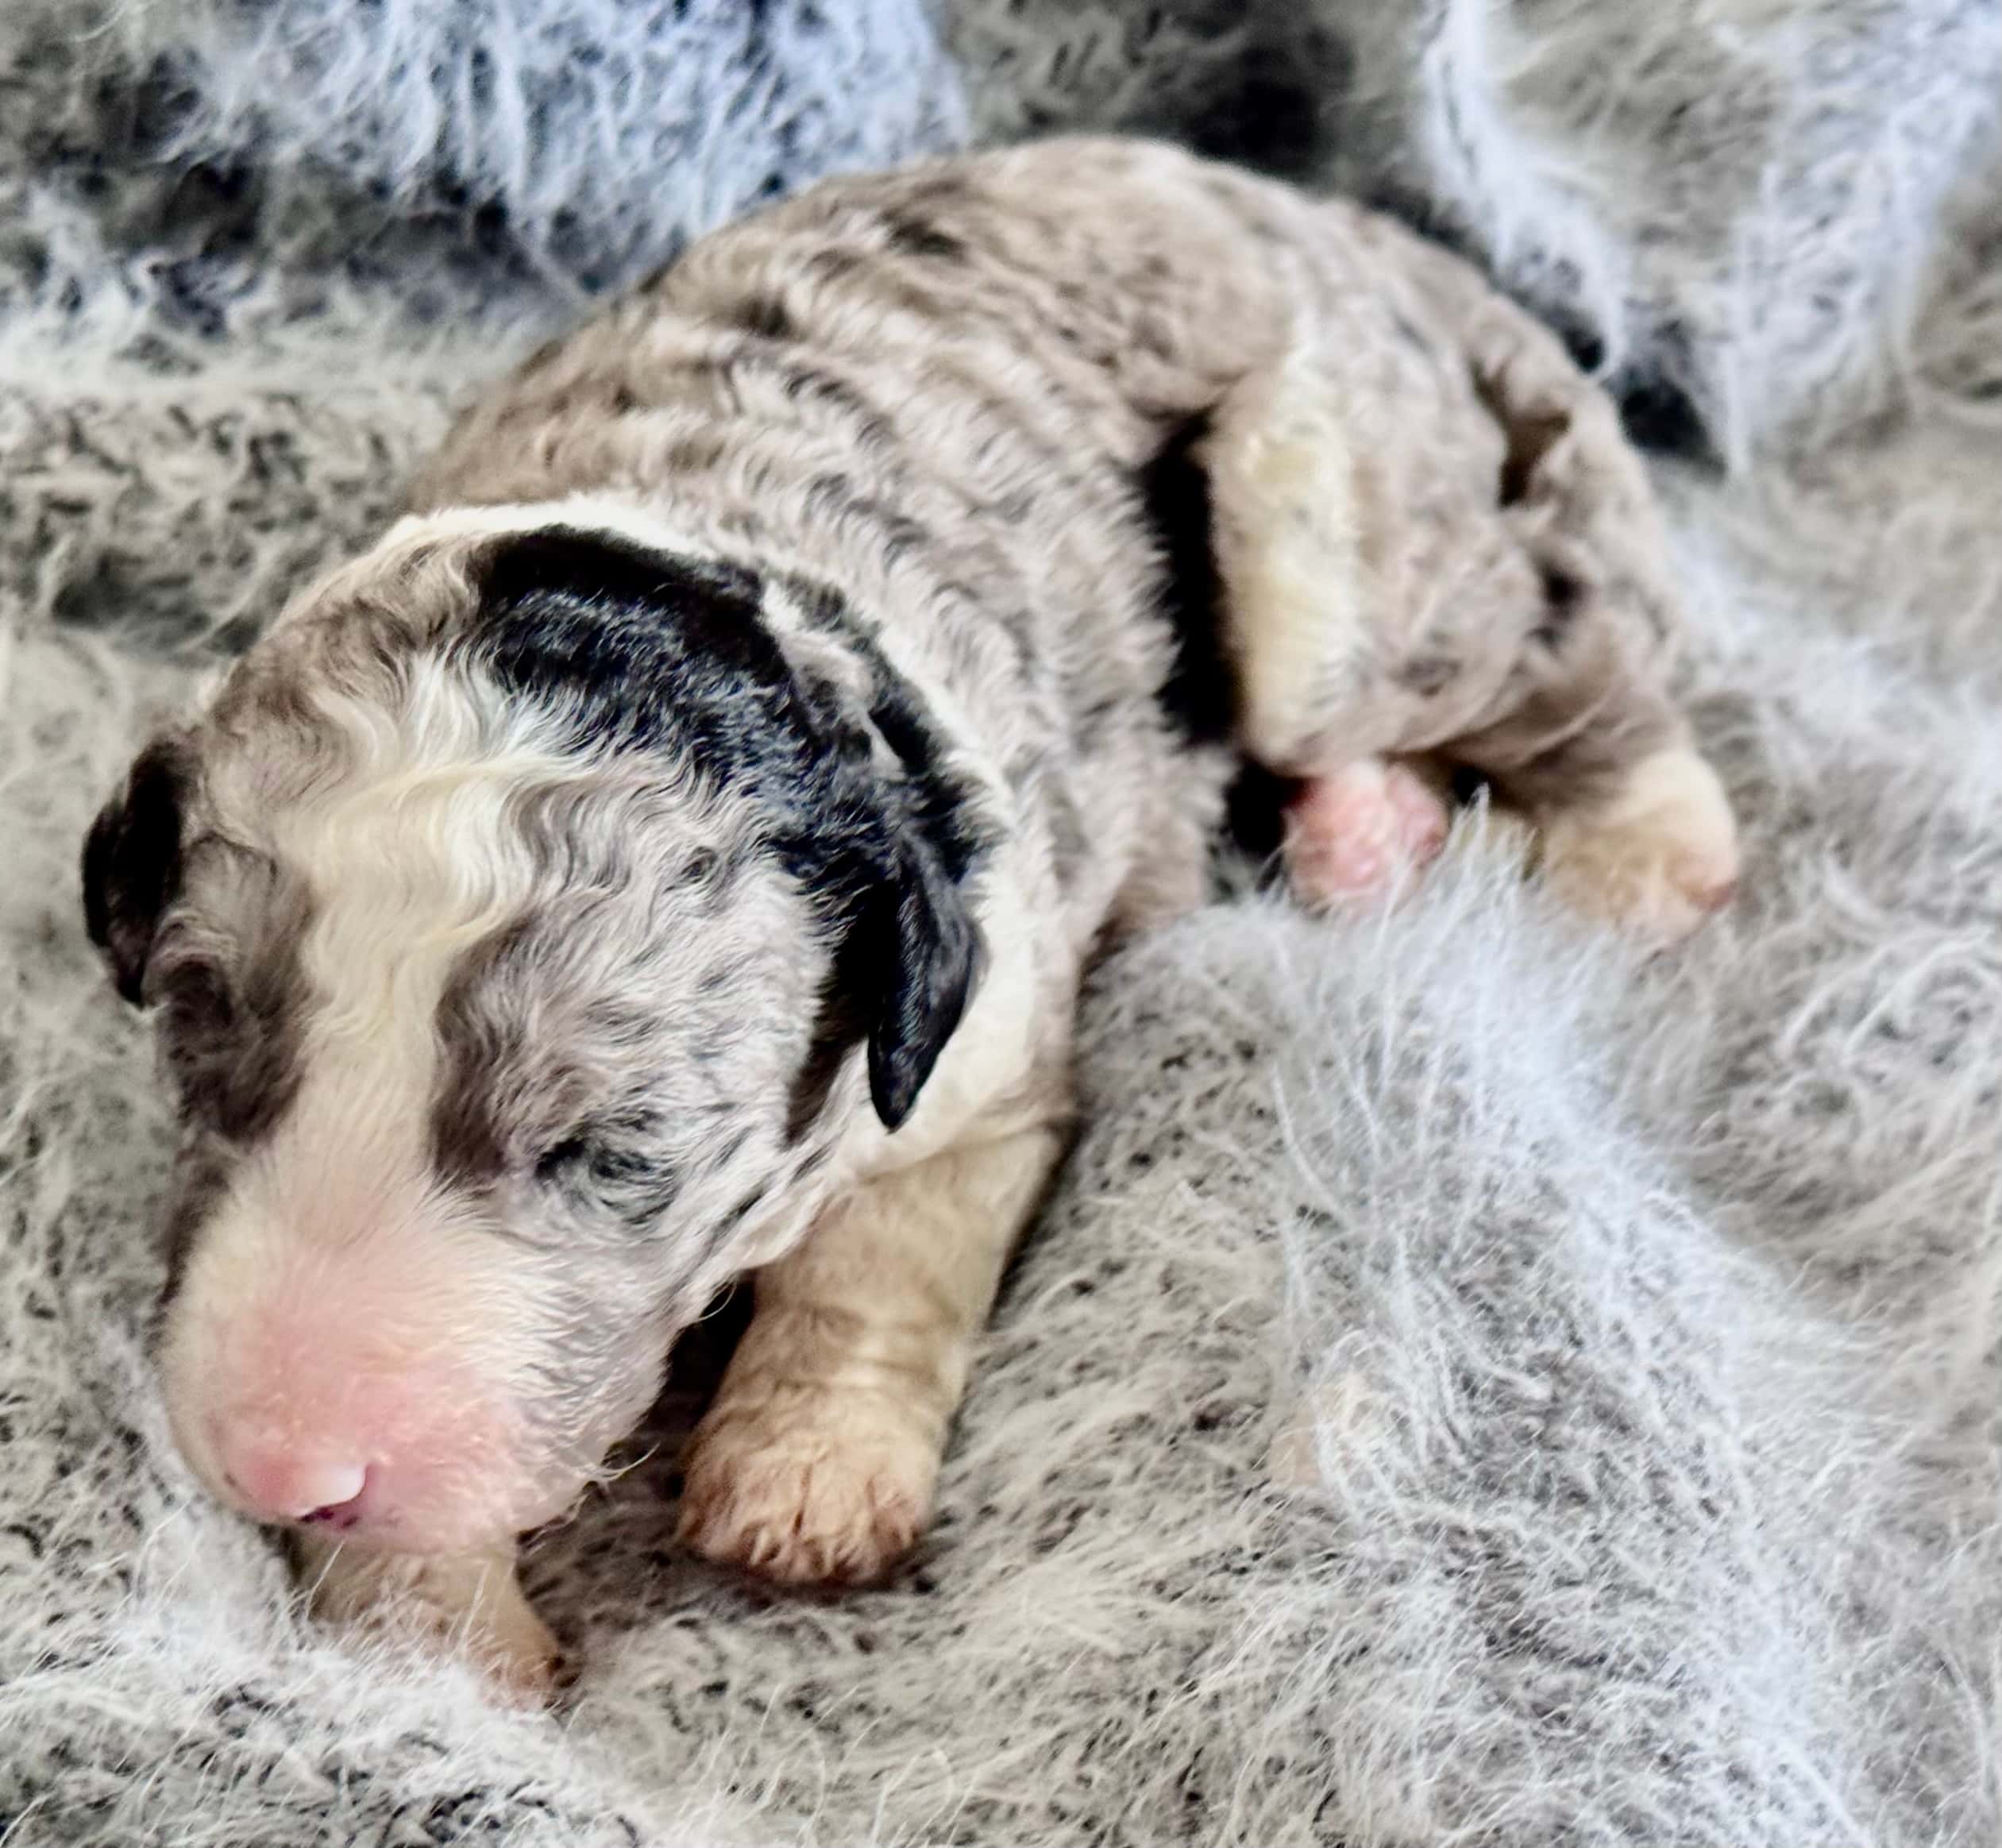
672,853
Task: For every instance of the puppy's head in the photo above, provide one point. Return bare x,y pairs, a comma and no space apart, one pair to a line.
530,923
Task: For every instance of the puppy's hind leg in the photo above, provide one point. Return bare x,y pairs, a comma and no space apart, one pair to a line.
1583,734
1306,637
1545,665
818,1461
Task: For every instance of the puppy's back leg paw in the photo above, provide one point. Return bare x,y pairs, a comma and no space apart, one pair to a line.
1352,834
1658,856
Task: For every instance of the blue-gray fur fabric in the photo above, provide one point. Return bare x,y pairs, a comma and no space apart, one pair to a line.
1468,1388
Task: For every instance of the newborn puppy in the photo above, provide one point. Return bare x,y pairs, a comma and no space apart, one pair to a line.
672,853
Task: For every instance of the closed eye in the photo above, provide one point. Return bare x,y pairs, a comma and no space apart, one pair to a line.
609,1159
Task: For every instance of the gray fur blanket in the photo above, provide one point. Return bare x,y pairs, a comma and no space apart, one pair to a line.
1469,1387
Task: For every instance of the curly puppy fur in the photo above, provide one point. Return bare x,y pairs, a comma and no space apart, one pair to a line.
674,850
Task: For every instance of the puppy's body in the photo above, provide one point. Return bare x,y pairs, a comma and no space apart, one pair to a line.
674,850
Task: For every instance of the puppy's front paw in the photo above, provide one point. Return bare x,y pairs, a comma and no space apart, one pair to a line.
523,1662
808,1486
468,1605
1657,858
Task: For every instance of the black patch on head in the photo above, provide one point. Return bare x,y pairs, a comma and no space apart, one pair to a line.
635,646
644,650
939,802
132,861
1200,696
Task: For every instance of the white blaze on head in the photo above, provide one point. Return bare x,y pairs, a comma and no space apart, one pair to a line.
347,1334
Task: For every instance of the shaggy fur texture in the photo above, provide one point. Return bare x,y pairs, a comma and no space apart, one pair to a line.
1646,1318
1739,209
682,835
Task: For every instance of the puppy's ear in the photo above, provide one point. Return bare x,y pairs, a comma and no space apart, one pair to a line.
929,955
132,861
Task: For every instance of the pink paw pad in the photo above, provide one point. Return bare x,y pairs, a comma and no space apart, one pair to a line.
1349,835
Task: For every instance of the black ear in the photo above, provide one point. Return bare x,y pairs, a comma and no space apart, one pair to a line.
931,957
131,862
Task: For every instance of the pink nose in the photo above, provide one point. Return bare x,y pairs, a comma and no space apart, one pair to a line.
277,1486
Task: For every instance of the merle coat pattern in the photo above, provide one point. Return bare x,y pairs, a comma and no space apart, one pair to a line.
673,852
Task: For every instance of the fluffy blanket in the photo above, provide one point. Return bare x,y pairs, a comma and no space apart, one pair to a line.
1469,1387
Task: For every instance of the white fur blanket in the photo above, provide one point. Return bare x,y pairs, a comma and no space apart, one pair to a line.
1468,1388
